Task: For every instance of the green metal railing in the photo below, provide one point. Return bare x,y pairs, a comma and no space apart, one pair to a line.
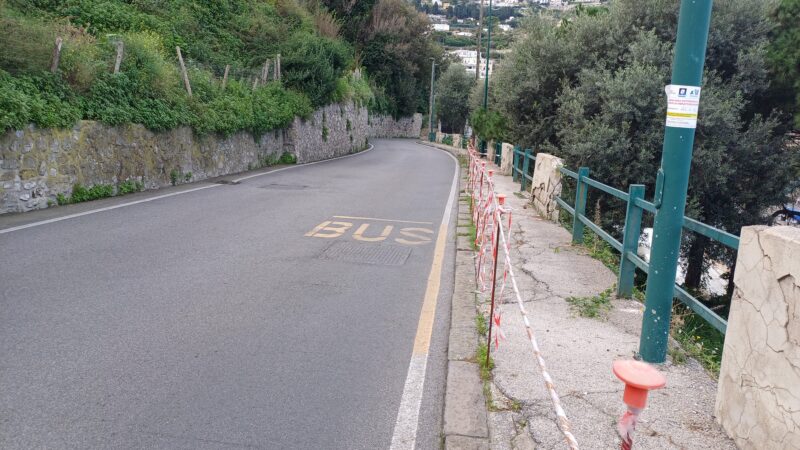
498,153
629,259
522,167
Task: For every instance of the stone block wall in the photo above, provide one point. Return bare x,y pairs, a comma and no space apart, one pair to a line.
546,185
37,164
332,131
387,127
758,399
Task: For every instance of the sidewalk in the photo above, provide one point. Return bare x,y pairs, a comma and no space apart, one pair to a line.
578,351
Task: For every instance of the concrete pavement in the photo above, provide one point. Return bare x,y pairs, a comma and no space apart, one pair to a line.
279,312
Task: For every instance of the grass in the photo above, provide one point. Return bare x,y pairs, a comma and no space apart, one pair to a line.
699,340
592,307
696,337
481,325
486,368
81,193
677,354
601,250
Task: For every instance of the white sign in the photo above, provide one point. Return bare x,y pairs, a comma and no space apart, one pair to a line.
682,105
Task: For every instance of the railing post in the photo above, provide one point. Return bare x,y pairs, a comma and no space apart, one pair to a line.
630,241
498,153
515,164
581,190
694,19
526,164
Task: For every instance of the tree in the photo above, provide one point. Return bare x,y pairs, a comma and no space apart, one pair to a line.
784,57
396,51
591,91
452,98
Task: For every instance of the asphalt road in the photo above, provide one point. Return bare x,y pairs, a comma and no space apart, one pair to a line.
231,316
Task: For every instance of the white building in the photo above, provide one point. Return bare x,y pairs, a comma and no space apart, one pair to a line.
469,59
441,27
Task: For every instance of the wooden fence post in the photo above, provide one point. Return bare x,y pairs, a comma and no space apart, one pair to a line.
265,72
183,71
225,76
120,51
56,55
278,67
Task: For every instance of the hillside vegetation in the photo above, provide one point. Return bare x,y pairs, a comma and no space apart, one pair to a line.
318,66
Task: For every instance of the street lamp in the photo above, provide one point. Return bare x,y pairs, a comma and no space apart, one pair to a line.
486,78
431,134
488,55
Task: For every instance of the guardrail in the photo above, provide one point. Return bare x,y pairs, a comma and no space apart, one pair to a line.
629,258
522,167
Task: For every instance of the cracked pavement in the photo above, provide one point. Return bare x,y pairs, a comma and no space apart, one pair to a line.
579,353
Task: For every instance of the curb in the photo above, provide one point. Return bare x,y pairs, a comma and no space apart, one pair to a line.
465,424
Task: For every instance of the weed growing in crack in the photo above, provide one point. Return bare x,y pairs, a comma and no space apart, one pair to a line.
677,354
480,325
592,307
486,368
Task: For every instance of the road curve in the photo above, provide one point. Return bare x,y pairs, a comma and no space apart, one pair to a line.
279,312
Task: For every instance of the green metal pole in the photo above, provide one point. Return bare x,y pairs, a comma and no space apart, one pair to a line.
488,50
676,160
431,134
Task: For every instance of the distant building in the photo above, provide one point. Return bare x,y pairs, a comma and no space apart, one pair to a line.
469,59
441,27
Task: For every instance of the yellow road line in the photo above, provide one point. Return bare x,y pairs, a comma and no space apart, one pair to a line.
404,436
425,327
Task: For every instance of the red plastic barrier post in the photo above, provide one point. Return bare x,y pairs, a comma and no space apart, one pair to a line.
639,378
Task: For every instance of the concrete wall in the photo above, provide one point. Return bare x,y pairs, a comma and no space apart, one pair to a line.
758,401
506,159
37,164
546,185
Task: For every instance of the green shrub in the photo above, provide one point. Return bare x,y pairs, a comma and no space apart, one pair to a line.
275,107
15,107
129,187
62,199
287,158
148,89
26,43
44,100
489,125
313,64
81,194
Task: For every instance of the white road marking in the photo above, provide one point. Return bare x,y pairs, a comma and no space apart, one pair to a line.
171,194
404,436
107,208
302,165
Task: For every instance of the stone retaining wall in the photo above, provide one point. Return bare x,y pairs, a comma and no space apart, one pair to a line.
37,164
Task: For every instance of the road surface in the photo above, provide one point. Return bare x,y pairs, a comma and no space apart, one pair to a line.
277,312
